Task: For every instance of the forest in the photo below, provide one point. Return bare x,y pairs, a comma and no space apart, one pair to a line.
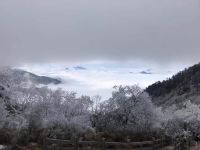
31,114
183,82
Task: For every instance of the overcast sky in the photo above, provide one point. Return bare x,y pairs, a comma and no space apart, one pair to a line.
134,41
158,31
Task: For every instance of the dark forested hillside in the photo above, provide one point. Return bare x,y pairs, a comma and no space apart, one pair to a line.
185,84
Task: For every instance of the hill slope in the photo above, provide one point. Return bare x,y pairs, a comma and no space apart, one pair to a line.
185,85
12,79
17,76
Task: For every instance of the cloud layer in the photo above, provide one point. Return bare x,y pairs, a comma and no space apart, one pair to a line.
99,78
76,30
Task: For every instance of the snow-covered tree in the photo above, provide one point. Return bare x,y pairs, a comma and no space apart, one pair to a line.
129,109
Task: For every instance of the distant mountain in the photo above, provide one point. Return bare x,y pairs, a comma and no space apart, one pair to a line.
17,76
35,78
80,68
183,86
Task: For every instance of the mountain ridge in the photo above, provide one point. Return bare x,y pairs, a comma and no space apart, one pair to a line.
18,76
175,90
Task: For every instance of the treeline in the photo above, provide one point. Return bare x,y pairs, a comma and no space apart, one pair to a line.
33,113
30,114
183,82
